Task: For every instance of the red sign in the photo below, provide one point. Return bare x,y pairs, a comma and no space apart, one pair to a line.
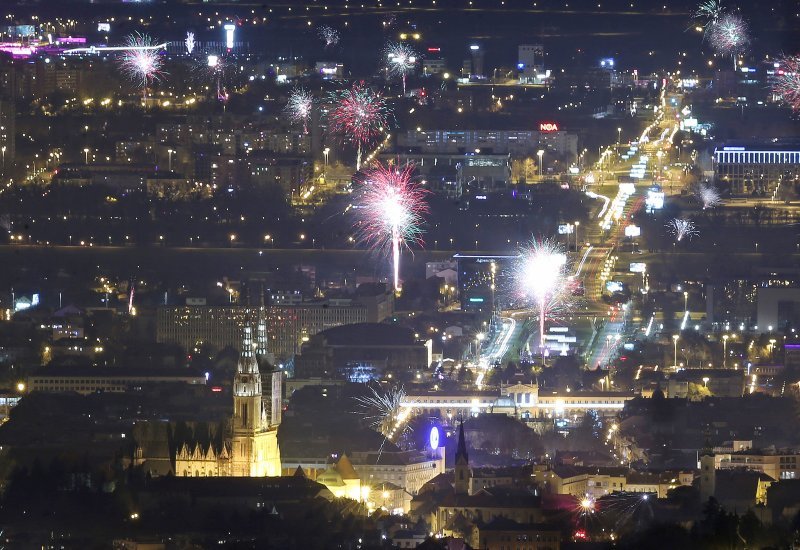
548,127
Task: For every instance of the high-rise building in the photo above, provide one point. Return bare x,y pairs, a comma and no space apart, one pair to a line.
287,326
7,130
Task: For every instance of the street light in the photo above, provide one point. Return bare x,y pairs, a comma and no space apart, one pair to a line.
3,150
724,350
675,338
540,154
86,153
170,151
577,223
619,135
705,381
685,301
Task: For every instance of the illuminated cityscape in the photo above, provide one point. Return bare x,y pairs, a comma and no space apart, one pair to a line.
439,274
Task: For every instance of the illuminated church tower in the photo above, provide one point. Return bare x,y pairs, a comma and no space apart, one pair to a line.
254,447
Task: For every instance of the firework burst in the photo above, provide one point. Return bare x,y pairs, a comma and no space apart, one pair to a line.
681,228
391,209
189,42
214,67
298,108
709,195
384,411
141,61
542,278
709,10
329,35
359,115
729,34
400,60
786,85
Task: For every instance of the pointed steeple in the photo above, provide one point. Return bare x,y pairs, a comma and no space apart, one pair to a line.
247,360
461,450
463,473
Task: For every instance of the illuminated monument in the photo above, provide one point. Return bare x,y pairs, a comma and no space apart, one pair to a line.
244,445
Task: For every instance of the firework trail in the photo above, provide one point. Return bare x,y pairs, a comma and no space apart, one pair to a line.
329,35
298,108
216,68
141,62
709,195
359,115
400,60
390,212
786,84
729,35
682,229
542,277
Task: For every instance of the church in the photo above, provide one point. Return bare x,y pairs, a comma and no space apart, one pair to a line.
242,445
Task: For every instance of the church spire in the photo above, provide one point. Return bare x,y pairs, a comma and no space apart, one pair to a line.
247,360
463,474
461,450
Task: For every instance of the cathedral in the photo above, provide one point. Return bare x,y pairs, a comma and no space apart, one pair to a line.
245,444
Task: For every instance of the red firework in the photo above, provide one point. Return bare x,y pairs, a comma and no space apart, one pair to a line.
359,115
786,84
390,211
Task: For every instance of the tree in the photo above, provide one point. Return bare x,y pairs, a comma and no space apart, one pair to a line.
523,170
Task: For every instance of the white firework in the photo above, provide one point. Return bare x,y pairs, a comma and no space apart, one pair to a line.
682,228
329,35
299,107
189,42
400,60
709,196
385,411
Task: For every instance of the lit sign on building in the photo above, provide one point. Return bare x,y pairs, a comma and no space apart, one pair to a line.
633,231
229,30
548,127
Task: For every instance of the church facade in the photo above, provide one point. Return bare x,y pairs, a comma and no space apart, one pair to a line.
244,445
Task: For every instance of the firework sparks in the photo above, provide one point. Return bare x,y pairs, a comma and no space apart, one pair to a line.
189,42
141,62
710,10
542,277
682,229
391,209
329,35
400,60
298,109
709,196
215,67
385,411
729,35
786,85
359,115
